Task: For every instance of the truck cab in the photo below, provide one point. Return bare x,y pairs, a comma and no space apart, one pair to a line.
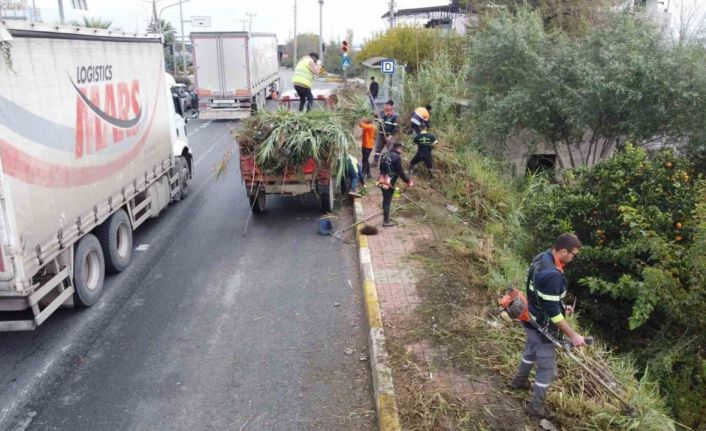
178,123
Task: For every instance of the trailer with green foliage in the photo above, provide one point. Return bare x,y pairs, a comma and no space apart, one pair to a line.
289,153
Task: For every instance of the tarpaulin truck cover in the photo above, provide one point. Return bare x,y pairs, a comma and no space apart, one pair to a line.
83,127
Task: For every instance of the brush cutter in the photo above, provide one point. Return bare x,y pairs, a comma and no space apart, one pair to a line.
514,303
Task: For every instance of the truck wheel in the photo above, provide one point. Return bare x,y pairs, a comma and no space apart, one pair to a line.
258,206
255,106
115,236
89,271
263,99
183,167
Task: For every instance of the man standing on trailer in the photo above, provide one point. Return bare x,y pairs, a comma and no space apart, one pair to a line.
303,79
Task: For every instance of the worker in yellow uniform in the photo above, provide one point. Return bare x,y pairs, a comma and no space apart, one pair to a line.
303,79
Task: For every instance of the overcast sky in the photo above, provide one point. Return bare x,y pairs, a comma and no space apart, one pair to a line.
271,16
276,16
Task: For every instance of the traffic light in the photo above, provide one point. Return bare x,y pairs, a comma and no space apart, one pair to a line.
344,47
323,47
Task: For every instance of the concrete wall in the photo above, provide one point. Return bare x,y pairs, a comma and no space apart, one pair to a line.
521,147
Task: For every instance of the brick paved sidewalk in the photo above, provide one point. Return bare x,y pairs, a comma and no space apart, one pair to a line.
396,276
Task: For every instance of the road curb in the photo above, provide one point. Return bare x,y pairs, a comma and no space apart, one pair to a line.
385,399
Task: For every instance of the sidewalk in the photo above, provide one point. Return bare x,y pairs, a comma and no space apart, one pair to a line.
396,274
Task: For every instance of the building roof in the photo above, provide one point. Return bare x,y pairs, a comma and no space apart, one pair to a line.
432,12
374,61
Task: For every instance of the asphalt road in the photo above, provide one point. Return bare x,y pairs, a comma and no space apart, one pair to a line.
209,327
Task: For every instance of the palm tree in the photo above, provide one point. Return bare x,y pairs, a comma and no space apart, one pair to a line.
164,27
93,23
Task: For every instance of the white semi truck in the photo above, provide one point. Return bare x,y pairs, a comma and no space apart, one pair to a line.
235,72
91,146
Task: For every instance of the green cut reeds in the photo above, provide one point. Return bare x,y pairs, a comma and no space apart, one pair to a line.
285,139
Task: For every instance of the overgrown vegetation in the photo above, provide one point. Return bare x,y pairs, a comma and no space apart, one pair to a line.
467,271
573,17
640,280
641,220
411,46
586,94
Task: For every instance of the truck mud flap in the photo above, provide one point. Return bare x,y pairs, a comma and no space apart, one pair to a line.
40,315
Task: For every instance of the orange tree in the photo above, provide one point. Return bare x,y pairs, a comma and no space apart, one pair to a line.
643,224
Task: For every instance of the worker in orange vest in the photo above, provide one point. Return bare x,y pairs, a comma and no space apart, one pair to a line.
368,137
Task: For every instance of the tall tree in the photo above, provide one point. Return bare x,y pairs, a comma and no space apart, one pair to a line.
690,22
165,27
571,16
306,43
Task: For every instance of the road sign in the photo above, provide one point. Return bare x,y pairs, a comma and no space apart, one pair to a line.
346,62
388,66
200,21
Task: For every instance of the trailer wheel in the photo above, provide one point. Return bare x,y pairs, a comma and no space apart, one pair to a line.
325,202
183,167
257,206
115,236
89,271
253,106
263,99
326,197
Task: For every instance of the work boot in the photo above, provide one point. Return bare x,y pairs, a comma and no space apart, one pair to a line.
388,223
537,410
519,383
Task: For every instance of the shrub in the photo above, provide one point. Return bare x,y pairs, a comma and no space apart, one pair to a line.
643,228
411,46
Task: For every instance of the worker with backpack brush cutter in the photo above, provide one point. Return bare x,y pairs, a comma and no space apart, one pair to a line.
543,319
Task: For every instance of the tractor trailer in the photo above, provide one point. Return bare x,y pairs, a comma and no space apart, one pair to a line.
91,146
234,72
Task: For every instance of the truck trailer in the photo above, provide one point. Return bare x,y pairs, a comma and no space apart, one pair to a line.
91,146
234,72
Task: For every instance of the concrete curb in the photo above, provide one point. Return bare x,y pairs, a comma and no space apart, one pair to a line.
385,399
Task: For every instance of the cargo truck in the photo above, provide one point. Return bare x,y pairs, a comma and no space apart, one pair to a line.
234,72
91,146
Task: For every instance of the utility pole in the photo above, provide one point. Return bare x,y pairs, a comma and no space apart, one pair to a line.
183,43
155,17
250,16
392,13
61,12
295,58
321,30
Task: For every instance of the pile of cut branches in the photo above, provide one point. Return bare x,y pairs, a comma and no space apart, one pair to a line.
284,140
353,103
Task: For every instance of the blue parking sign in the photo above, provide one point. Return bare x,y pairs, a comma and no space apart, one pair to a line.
387,66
